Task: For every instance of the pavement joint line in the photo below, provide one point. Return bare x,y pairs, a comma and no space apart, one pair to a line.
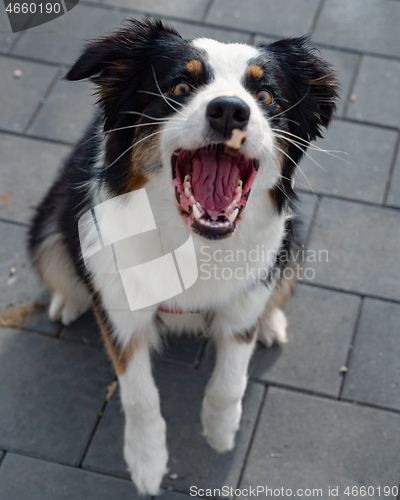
350,200
394,128
95,427
317,15
251,440
13,222
351,346
42,101
34,60
314,220
321,395
350,292
213,26
37,138
238,30
3,456
26,454
391,170
50,336
352,85
207,10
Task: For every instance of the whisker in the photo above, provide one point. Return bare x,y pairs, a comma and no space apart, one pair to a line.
163,96
133,145
294,105
312,147
297,165
158,95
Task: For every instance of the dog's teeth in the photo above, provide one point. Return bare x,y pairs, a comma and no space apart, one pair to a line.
231,218
196,212
192,200
239,183
238,196
187,179
232,206
188,193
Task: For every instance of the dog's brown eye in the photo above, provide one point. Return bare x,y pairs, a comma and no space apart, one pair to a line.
265,96
182,88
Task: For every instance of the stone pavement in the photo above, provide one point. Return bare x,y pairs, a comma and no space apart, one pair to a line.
323,411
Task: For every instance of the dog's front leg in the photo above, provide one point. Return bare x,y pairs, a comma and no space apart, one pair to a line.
145,447
235,332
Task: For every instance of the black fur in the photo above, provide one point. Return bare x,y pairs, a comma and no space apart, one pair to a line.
307,89
144,56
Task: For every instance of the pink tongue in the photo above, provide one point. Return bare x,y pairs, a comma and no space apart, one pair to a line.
214,181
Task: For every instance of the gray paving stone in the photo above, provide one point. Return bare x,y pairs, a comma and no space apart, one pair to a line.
21,476
49,404
21,96
276,17
19,285
321,324
6,34
84,330
394,191
358,171
66,113
171,495
360,240
304,210
202,31
190,9
365,25
376,92
63,39
191,459
27,170
310,443
344,64
183,349
374,375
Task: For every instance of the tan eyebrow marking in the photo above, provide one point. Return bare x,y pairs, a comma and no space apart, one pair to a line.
255,71
194,66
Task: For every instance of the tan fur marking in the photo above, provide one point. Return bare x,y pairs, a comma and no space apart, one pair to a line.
248,336
194,66
255,71
119,357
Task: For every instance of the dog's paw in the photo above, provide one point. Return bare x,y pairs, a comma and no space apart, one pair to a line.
66,310
273,328
220,426
146,454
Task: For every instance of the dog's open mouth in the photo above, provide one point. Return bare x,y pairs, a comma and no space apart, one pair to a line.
212,187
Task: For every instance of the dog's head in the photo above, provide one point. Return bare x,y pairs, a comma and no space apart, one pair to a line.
220,119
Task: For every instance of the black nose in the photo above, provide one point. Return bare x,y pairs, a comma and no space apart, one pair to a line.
227,113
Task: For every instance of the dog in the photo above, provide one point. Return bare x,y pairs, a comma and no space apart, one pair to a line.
202,139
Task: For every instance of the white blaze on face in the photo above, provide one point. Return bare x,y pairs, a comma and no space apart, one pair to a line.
189,129
228,60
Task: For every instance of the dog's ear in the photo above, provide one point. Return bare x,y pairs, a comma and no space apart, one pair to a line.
102,59
311,91
313,88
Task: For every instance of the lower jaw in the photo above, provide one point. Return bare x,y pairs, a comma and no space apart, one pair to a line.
215,225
